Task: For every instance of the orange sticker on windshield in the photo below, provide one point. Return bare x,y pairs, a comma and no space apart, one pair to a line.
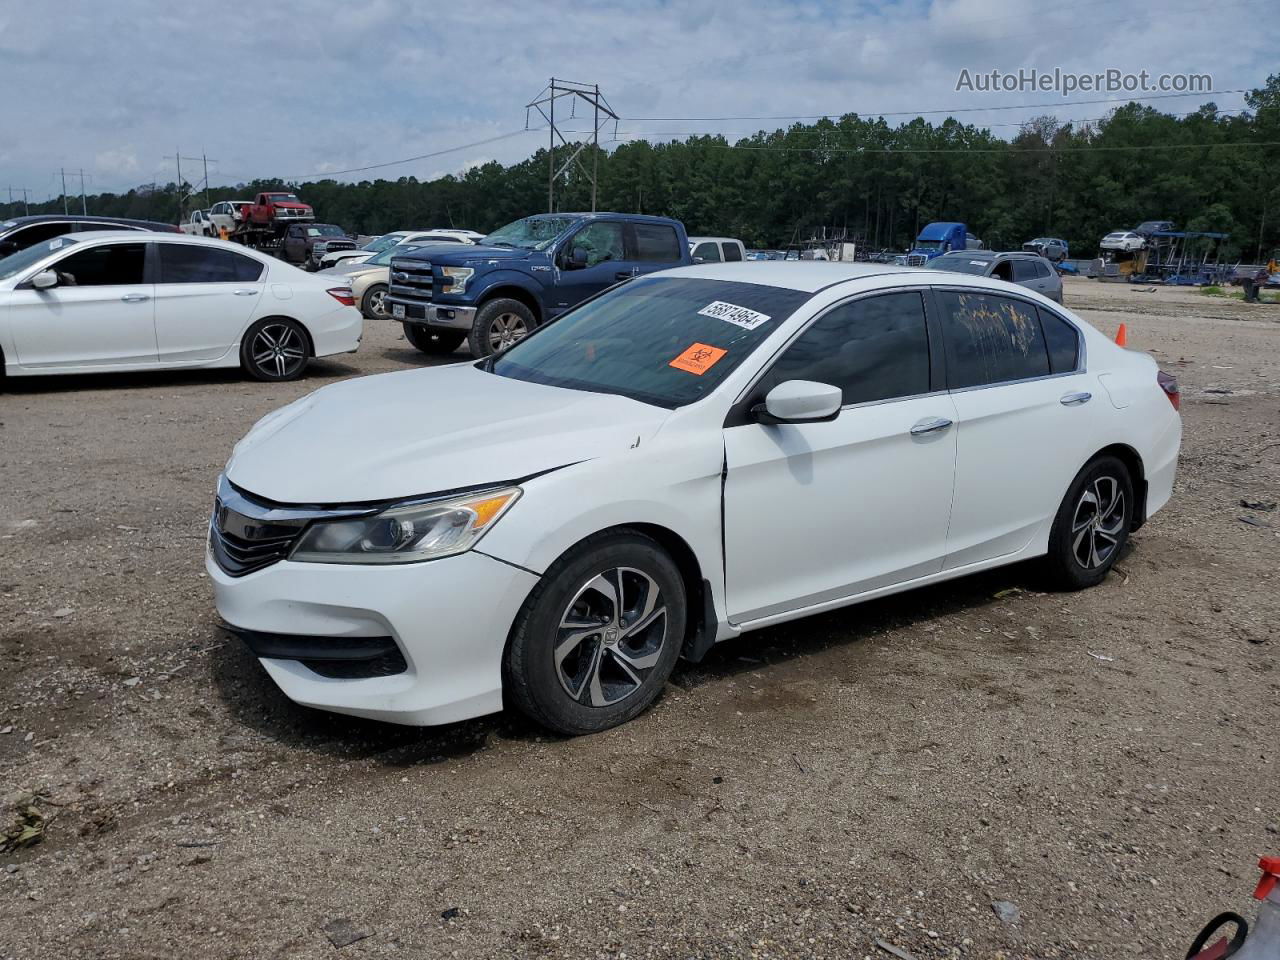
698,359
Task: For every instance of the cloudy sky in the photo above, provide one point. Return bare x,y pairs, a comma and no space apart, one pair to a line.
291,88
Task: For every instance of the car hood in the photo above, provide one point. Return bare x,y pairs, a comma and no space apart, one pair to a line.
350,270
456,253
425,431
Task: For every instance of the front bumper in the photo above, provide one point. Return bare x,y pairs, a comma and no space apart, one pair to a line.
448,618
432,314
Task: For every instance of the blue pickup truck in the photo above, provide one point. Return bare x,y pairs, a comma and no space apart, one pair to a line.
494,293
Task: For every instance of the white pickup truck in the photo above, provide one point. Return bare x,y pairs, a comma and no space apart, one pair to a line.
200,224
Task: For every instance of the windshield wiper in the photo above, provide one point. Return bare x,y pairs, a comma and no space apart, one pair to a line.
500,243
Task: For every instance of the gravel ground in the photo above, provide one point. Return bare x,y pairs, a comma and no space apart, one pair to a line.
1104,761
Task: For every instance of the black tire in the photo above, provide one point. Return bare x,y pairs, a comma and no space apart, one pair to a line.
1091,529
499,324
592,688
435,342
275,349
372,306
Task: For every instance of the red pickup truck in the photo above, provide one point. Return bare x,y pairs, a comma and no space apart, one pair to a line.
269,209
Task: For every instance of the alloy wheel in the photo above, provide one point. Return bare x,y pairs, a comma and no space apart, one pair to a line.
1098,522
505,330
610,637
377,304
278,350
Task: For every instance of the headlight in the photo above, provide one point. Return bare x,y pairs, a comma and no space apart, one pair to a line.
458,277
406,534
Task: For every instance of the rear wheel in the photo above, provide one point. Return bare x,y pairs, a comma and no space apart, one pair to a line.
598,637
1092,525
373,304
499,324
275,349
433,341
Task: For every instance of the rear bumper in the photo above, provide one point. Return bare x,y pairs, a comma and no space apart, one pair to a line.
338,331
443,316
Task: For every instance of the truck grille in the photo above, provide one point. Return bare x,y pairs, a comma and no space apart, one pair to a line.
410,280
916,260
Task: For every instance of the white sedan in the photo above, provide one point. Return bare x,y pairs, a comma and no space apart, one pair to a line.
688,456
110,301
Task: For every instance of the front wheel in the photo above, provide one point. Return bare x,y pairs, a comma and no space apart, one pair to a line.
274,349
1092,525
437,342
499,324
373,304
598,637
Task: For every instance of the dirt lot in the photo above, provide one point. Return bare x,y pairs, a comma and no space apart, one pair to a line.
887,771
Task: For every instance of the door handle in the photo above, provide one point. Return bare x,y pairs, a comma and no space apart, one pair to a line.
246,293
135,297
1075,399
930,425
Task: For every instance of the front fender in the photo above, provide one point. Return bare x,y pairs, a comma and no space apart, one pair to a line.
676,486
504,278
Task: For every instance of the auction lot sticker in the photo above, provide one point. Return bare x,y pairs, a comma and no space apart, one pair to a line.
732,313
699,358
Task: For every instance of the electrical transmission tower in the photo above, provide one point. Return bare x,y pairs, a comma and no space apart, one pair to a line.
601,114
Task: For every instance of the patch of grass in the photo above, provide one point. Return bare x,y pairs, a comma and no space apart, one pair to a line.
1211,291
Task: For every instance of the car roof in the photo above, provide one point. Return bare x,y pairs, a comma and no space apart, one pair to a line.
77,218
809,276
717,239
140,236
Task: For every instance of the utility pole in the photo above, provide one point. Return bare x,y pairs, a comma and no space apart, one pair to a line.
177,158
601,112
26,207
84,204
206,177
64,190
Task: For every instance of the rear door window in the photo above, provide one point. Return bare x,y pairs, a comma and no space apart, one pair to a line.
1024,270
732,253
110,264
188,263
876,348
656,243
990,339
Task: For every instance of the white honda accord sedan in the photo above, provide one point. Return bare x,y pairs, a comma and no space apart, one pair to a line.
685,457
112,301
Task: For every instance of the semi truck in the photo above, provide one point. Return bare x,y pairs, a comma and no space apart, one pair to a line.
940,237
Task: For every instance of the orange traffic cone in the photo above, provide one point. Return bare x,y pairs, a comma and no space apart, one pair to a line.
1122,336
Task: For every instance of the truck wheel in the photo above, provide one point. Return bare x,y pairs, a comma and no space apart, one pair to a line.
436,342
499,324
373,304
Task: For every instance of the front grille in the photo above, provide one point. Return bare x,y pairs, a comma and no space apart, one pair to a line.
916,260
411,280
242,544
384,665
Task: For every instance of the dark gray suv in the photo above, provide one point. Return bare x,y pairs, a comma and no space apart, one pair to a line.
1025,269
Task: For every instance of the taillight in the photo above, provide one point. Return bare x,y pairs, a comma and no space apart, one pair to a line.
1169,384
345,297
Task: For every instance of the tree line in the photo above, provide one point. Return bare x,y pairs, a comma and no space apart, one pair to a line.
1207,170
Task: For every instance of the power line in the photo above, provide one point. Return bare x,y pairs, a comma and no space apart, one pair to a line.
421,156
926,113
1005,149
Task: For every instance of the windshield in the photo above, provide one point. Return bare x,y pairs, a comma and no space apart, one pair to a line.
928,244
667,341
282,198
533,233
960,264
17,262
325,230
395,250
378,244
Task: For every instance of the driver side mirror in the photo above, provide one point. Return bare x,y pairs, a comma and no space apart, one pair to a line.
577,258
45,279
799,401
